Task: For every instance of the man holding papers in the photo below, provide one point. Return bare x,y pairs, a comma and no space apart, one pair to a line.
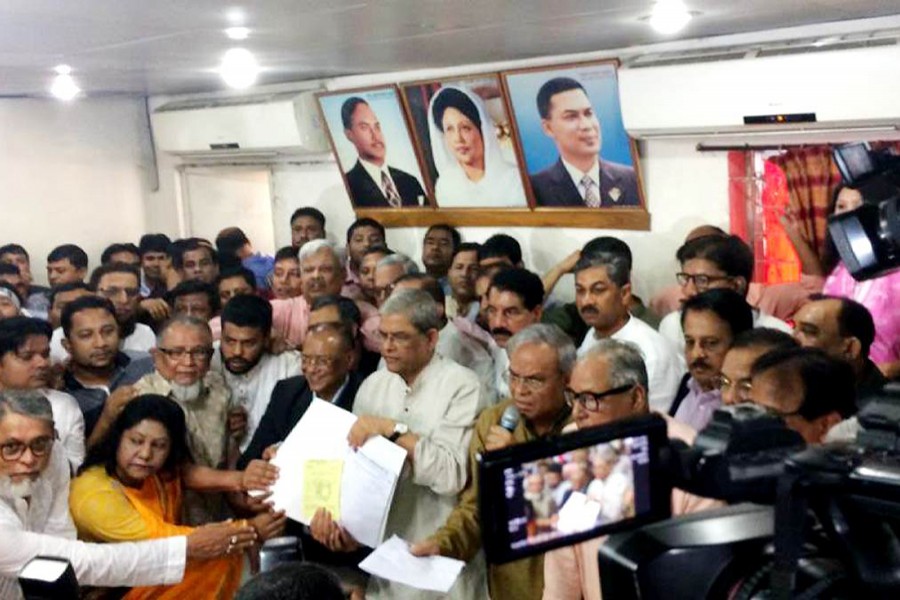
427,405
541,358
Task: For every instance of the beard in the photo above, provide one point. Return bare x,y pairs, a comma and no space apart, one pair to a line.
15,490
187,393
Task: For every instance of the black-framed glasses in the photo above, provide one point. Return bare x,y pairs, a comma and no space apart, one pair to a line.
198,354
14,450
701,282
595,401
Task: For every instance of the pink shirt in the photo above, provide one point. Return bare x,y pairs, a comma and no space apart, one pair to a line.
290,321
878,295
572,573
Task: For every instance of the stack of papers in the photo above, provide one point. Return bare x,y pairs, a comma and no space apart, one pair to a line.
318,469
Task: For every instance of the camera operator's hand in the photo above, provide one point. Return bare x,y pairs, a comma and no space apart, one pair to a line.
331,535
497,438
427,547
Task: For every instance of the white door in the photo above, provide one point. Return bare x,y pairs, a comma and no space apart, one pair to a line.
220,197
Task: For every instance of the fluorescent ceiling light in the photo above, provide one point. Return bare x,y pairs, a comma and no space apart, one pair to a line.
239,68
669,16
64,87
237,33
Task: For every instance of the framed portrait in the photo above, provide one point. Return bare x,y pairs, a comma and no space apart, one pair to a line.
465,138
371,140
575,149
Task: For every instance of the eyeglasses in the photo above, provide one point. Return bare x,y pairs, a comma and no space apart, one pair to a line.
310,360
41,446
114,292
701,282
198,354
742,388
532,384
595,401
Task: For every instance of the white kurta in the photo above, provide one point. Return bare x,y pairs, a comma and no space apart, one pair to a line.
440,407
43,527
665,367
253,389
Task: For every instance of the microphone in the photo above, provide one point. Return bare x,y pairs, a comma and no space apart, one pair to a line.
510,418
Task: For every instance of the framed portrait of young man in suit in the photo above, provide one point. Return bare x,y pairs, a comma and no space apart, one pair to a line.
463,131
371,141
575,148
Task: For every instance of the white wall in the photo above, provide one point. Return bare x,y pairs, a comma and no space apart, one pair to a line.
72,173
684,188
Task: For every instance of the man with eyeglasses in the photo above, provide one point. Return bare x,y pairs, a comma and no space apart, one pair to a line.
182,360
98,374
711,320
714,261
388,270
251,372
540,360
608,384
25,365
734,379
120,284
810,390
427,405
321,274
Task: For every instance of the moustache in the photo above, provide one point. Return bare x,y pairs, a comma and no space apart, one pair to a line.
589,310
501,331
699,364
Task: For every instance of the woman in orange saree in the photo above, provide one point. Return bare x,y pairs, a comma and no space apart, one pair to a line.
130,489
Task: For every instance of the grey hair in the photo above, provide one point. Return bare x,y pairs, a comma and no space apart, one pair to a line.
551,335
28,403
185,320
408,264
416,305
315,246
626,363
618,267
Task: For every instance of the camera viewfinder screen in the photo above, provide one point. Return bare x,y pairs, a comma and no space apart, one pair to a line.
578,491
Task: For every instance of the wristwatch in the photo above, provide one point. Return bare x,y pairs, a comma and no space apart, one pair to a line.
399,430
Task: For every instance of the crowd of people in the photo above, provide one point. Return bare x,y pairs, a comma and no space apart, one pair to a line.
141,402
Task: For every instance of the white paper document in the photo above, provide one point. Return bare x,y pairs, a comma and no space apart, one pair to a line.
368,478
392,560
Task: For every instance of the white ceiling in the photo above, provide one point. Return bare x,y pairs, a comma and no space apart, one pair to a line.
173,46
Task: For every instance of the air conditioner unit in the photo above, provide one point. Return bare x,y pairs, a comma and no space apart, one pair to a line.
840,92
268,125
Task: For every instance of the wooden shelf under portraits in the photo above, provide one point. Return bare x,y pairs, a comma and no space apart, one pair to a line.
608,218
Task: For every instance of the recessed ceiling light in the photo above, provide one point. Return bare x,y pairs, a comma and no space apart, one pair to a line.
239,68
64,87
237,33
669,16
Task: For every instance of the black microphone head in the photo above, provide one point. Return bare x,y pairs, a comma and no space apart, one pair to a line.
510,418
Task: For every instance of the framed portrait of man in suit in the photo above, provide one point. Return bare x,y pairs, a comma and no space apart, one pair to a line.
576,151
371,140
465,138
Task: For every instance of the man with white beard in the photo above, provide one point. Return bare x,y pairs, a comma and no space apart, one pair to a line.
182,358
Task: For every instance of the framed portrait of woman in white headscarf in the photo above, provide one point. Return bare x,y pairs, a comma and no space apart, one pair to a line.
465,139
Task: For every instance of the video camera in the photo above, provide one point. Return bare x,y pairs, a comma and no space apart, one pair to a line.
868,238
821,520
